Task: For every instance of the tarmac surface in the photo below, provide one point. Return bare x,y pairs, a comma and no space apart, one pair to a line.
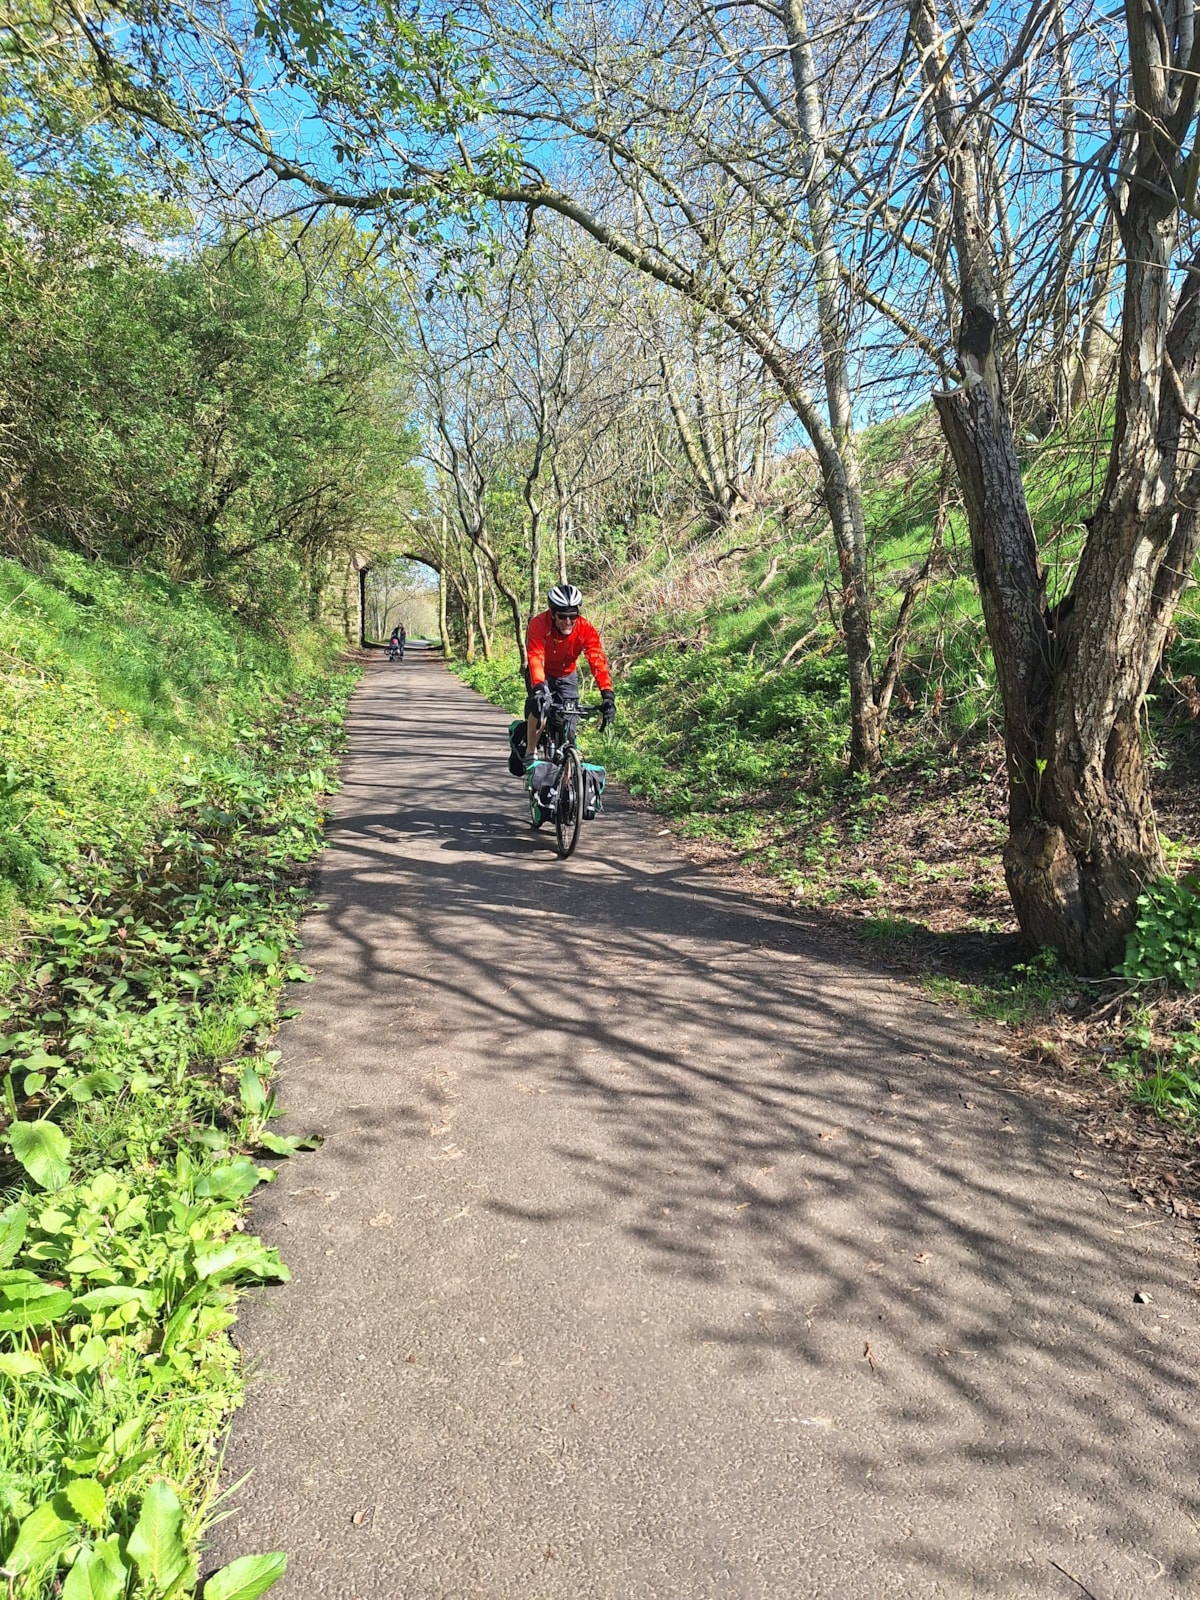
656,1251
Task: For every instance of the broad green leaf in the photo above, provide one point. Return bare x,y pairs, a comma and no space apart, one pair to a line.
279,1144
41,1536
20,1364
93,1083
211,1139
85,1496
155,1545
223,1258
13,1222
117,1294
42,1149
246,1578
97,1574
252,1093
39,1061
233,1180
32,1306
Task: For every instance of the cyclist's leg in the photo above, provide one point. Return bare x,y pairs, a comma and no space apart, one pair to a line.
565,690
565,694
533,732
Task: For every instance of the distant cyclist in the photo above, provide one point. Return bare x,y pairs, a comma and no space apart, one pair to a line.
554,642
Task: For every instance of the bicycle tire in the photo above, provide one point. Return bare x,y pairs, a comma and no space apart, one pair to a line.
568,809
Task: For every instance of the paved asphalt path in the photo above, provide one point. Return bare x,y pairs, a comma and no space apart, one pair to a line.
658,1251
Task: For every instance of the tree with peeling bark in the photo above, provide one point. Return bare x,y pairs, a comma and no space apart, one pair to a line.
1074,675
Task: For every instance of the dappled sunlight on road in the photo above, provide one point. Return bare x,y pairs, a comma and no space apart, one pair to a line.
800,1306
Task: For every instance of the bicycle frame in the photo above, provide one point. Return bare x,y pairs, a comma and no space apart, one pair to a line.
561,728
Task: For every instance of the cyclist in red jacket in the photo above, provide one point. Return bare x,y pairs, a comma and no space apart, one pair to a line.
554,642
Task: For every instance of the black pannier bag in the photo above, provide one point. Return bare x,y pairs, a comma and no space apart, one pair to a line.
541,779
594,781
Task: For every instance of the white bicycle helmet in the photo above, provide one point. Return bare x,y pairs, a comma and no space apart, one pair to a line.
566,599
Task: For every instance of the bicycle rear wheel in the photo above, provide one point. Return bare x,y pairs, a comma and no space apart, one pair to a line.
568,809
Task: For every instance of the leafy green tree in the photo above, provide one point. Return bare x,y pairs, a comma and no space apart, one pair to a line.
225,415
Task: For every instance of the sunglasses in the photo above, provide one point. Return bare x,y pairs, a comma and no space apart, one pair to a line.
565,616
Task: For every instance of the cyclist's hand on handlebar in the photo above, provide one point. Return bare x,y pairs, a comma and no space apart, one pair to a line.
608,707
541,699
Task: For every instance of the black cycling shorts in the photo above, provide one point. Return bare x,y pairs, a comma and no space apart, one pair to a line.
561,688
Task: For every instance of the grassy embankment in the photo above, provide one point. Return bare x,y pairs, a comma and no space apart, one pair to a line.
161,785
734,711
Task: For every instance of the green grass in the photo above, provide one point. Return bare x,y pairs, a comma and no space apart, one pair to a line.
721,730
1161,1075
1027,993
163,781
888,929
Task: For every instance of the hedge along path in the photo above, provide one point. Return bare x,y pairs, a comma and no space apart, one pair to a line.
657,1250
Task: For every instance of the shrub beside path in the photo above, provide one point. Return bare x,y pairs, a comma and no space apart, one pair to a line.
658,1252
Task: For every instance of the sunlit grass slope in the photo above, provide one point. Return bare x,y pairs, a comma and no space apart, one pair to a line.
733,698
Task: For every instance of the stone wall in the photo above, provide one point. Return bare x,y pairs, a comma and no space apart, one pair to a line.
343,604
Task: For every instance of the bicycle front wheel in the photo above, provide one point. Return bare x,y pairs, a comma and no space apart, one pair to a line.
568,809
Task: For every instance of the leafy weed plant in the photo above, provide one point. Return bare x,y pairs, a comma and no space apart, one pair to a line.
144,963
1165,942
1165,1078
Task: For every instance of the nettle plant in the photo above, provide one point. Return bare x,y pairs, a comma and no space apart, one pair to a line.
1165,941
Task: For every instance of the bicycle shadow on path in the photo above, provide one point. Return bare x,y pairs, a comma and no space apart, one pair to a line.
652,1232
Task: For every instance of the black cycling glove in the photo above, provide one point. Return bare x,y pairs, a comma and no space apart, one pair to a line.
608,707
541,699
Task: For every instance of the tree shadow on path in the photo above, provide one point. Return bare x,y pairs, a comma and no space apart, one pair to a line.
741,1181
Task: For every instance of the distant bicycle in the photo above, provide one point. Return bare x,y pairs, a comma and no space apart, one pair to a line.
562,785
395,650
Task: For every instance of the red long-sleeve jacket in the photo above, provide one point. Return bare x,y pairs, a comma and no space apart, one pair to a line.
553,654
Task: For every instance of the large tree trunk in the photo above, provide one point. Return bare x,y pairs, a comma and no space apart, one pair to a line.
1081,830
1073,679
